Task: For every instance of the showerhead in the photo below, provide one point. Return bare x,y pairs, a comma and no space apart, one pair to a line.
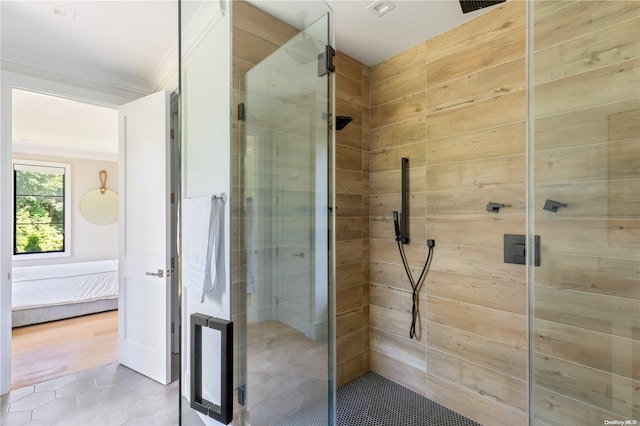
471,5
342,121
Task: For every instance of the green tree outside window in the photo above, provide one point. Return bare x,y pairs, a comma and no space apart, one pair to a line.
39,211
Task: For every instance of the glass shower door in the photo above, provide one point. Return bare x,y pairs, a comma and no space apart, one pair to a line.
585,206
285,369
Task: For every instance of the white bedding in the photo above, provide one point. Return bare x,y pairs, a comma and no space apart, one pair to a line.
46,285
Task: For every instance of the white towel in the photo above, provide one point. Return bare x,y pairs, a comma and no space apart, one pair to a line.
203,251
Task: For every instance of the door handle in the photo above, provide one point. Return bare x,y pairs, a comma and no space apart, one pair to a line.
159,274
223,412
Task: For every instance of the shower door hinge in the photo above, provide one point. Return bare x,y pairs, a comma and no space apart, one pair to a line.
241,394
325,61
241,112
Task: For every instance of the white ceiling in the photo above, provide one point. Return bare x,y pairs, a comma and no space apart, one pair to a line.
371,39
122,37
55,126
134,43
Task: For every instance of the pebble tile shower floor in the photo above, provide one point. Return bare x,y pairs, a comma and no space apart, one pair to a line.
373,400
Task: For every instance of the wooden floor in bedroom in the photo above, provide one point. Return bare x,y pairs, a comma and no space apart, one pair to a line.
46,351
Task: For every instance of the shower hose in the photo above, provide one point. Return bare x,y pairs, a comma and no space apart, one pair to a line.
415,285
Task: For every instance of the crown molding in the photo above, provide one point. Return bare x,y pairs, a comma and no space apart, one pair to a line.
201,24
31,63
20,147
165,76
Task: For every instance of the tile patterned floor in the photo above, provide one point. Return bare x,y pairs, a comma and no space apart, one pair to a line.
285,371
115,395
103,396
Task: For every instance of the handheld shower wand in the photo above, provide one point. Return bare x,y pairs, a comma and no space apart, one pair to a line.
402,239
396,224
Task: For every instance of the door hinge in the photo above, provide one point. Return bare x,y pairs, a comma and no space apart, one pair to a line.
241,112
242,394
325,61
173,263
173,327
172,133
173,197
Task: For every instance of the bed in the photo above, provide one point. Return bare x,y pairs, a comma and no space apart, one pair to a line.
46,293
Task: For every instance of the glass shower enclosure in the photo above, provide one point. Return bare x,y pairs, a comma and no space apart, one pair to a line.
584,203
285,300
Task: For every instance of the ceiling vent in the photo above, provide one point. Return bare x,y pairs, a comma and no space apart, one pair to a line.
471,5
381,7
62,13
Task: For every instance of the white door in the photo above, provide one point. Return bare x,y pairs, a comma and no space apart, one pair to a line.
144,306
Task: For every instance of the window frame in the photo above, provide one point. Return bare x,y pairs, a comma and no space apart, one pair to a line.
66,207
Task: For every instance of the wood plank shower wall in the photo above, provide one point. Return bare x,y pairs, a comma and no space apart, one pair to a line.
455,105
471,296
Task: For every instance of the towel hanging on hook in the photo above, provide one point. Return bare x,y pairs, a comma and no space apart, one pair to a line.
222,196
214,270
203,243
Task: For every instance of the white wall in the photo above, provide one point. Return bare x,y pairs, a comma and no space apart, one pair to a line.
51,76
206,147
88,241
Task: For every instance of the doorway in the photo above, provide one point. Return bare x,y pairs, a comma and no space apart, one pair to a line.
89,243
65,235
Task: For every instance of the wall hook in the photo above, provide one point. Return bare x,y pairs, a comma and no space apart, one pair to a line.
494,207
103,181
553,206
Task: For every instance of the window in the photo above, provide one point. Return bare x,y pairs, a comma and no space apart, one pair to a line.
41,213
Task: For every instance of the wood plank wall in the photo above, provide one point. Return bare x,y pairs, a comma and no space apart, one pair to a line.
352,220
455,105
587,154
